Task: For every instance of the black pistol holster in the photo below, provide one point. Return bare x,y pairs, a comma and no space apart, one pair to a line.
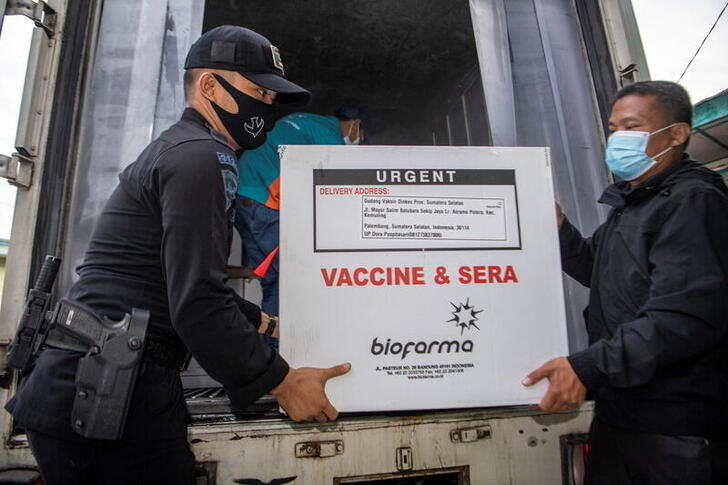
107,374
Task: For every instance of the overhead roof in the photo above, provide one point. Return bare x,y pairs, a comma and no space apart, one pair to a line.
709,140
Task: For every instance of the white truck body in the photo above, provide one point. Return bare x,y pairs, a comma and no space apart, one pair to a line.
104,78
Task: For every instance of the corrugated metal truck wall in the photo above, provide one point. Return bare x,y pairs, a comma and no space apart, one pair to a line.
539,92
135,93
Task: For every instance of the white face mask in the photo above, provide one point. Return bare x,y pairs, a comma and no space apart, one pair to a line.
348,140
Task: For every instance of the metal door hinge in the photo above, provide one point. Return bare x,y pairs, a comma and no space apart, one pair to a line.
319,449
39,12
33,107
403,458
17,169
6,373
468,435
628,75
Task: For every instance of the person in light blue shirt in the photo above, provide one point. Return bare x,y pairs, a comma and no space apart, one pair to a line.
258,201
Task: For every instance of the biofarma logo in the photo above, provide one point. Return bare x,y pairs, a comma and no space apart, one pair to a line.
464,316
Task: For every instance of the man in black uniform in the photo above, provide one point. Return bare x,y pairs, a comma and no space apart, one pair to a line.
657,363
162,244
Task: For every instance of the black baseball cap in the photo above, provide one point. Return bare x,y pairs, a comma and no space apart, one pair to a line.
234,48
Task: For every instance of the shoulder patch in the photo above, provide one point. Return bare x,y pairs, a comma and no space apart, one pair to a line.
229,172
227,159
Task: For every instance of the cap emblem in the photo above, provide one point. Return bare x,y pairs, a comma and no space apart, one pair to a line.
277,61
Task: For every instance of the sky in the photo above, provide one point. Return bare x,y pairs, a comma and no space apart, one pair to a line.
671,31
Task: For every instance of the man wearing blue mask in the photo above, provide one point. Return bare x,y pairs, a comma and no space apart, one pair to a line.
657,363
258,203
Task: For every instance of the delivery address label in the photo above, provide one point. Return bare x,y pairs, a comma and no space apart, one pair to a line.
454,218
380,210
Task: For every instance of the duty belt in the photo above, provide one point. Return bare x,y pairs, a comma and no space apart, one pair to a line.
159,349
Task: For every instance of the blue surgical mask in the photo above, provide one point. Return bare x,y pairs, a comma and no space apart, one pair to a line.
626,156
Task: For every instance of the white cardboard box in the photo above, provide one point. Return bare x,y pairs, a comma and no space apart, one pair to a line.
433,270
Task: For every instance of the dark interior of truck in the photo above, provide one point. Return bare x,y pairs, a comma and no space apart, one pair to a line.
411,64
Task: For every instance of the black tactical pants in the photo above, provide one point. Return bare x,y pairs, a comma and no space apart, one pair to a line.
624,457
159,462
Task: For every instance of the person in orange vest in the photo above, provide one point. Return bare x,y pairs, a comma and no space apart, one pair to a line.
258,201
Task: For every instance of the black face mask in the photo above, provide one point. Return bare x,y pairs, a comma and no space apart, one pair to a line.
252,121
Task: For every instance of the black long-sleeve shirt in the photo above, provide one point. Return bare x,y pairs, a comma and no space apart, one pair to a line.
658,309
162,243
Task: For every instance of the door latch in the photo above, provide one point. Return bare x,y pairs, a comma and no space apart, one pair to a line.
17,169
319,449
468,435
404,458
